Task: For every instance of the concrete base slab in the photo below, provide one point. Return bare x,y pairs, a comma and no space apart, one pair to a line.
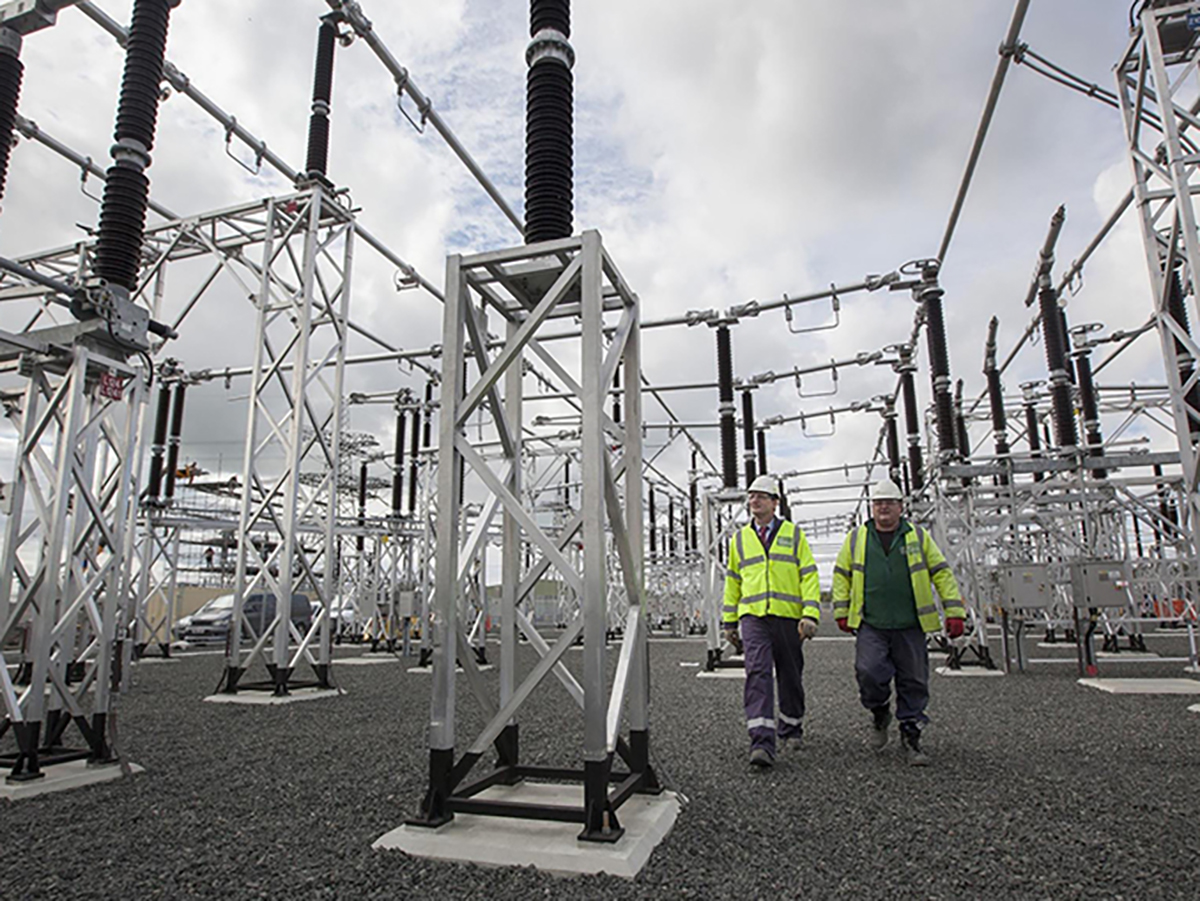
1195,708
968,671
1145,686
834,638
724,673
1126,655
266,699
428,670
1191,669
142,660
689,663
669,639
544,845
367,661
1057,645
63,776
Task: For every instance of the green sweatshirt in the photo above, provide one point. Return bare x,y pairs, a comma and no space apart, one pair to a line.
888,600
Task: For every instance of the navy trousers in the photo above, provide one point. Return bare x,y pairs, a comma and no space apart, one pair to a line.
881,655
773,654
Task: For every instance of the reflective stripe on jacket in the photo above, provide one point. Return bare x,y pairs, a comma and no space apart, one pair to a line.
783,582
927,569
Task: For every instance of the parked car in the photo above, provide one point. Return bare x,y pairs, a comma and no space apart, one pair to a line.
212,621
343,615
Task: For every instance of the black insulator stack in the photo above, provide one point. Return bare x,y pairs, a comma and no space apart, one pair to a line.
10,90
566,488
960,423
939,360
762,450
1165,508
362,506
427,426
893,444
174,438
549,125
126,189
1053,339
653,529
322,94
616,408
693,504
1032,432
414,450
398,465
161,419
1091,409
1178,311
1066,333
785,509
671,525
999,419
912,418
725,408
748,449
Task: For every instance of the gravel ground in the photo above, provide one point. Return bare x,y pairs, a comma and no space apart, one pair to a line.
1039,789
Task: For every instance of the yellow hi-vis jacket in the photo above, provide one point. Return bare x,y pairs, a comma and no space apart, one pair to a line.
927,569
783,582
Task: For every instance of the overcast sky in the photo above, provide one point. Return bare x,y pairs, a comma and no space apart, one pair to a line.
725,152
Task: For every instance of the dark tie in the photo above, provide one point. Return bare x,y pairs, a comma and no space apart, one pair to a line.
762,535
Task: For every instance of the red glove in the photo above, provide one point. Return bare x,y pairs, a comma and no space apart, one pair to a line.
843,625
954,627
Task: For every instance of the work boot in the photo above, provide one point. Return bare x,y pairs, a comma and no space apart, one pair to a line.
761,759
911,739
879,729
792,744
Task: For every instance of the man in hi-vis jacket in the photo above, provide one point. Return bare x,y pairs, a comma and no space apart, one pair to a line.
883,585
772,597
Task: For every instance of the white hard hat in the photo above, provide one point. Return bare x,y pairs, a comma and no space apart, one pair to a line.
765,485
886,490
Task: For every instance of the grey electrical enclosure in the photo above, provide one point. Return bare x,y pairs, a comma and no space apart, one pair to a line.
1099,583
1025,586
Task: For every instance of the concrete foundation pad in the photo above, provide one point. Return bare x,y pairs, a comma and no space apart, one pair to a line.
142,660
1053,645
1195,708
366,661
63,776
1127,655
834,638
689,663
542,844
1192,669
266,699
1145,686
968,671
428,670
724,673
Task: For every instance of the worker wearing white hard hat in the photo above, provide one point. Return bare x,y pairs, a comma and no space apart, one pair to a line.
772,595
883,584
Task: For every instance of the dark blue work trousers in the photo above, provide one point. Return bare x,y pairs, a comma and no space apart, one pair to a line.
881,655
773,654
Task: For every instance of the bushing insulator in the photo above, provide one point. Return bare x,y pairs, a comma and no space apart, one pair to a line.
137,110
748,448
939,362
318,123
553,14
10,91
126,189
725,393
549,130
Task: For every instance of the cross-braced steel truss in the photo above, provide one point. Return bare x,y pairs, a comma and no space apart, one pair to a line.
526,288
65,576
293,441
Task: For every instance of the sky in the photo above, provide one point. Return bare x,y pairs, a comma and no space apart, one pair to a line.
725,154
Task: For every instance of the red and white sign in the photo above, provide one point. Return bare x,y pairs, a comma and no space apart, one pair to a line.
112,385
